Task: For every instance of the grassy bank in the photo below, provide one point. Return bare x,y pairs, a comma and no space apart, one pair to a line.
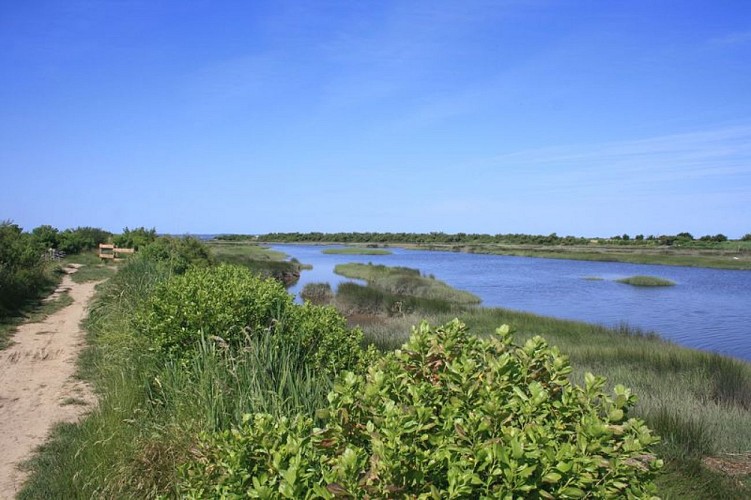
718,258
259,259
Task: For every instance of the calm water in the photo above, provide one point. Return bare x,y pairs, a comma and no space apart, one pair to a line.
707,309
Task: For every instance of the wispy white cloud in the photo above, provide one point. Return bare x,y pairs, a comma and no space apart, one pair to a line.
721,152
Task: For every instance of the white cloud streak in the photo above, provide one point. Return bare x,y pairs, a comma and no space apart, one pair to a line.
717,153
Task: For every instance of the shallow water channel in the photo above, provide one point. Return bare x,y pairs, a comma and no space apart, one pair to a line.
707,309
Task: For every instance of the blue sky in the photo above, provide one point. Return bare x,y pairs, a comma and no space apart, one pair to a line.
588,118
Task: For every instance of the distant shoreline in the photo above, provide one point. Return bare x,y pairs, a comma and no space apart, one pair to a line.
666,256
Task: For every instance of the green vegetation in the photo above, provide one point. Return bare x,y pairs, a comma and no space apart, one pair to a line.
135,238
178,254
697,402
226,250
418,238
450,415
593,278
230,304
24,273
258,259
646,281
81,239
684,239
160,388
405,282
317,293
211,380
357,251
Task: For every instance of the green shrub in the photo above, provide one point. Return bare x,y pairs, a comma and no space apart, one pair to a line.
324,338
178,254
23,273
233,304
317,293
82,238
224,301
135,238
450,415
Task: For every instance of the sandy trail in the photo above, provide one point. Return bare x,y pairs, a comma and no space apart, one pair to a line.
37,388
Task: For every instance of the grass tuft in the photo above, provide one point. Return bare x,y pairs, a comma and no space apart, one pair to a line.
646,281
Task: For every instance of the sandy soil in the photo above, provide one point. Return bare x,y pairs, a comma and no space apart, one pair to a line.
37,388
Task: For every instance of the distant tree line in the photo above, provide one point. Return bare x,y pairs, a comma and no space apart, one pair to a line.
420,238
684,238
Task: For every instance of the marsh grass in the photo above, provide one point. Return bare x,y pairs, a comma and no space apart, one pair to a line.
645,281
259,259
405,282
317,293
352,298
227,249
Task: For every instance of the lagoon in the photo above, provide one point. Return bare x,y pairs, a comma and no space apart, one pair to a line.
707,309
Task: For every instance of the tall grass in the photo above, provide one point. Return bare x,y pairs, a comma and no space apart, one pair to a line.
263,377
352,298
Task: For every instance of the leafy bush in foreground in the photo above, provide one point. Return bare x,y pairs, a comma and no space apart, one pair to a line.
450,415
232,305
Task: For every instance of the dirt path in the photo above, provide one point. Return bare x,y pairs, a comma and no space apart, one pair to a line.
37,388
